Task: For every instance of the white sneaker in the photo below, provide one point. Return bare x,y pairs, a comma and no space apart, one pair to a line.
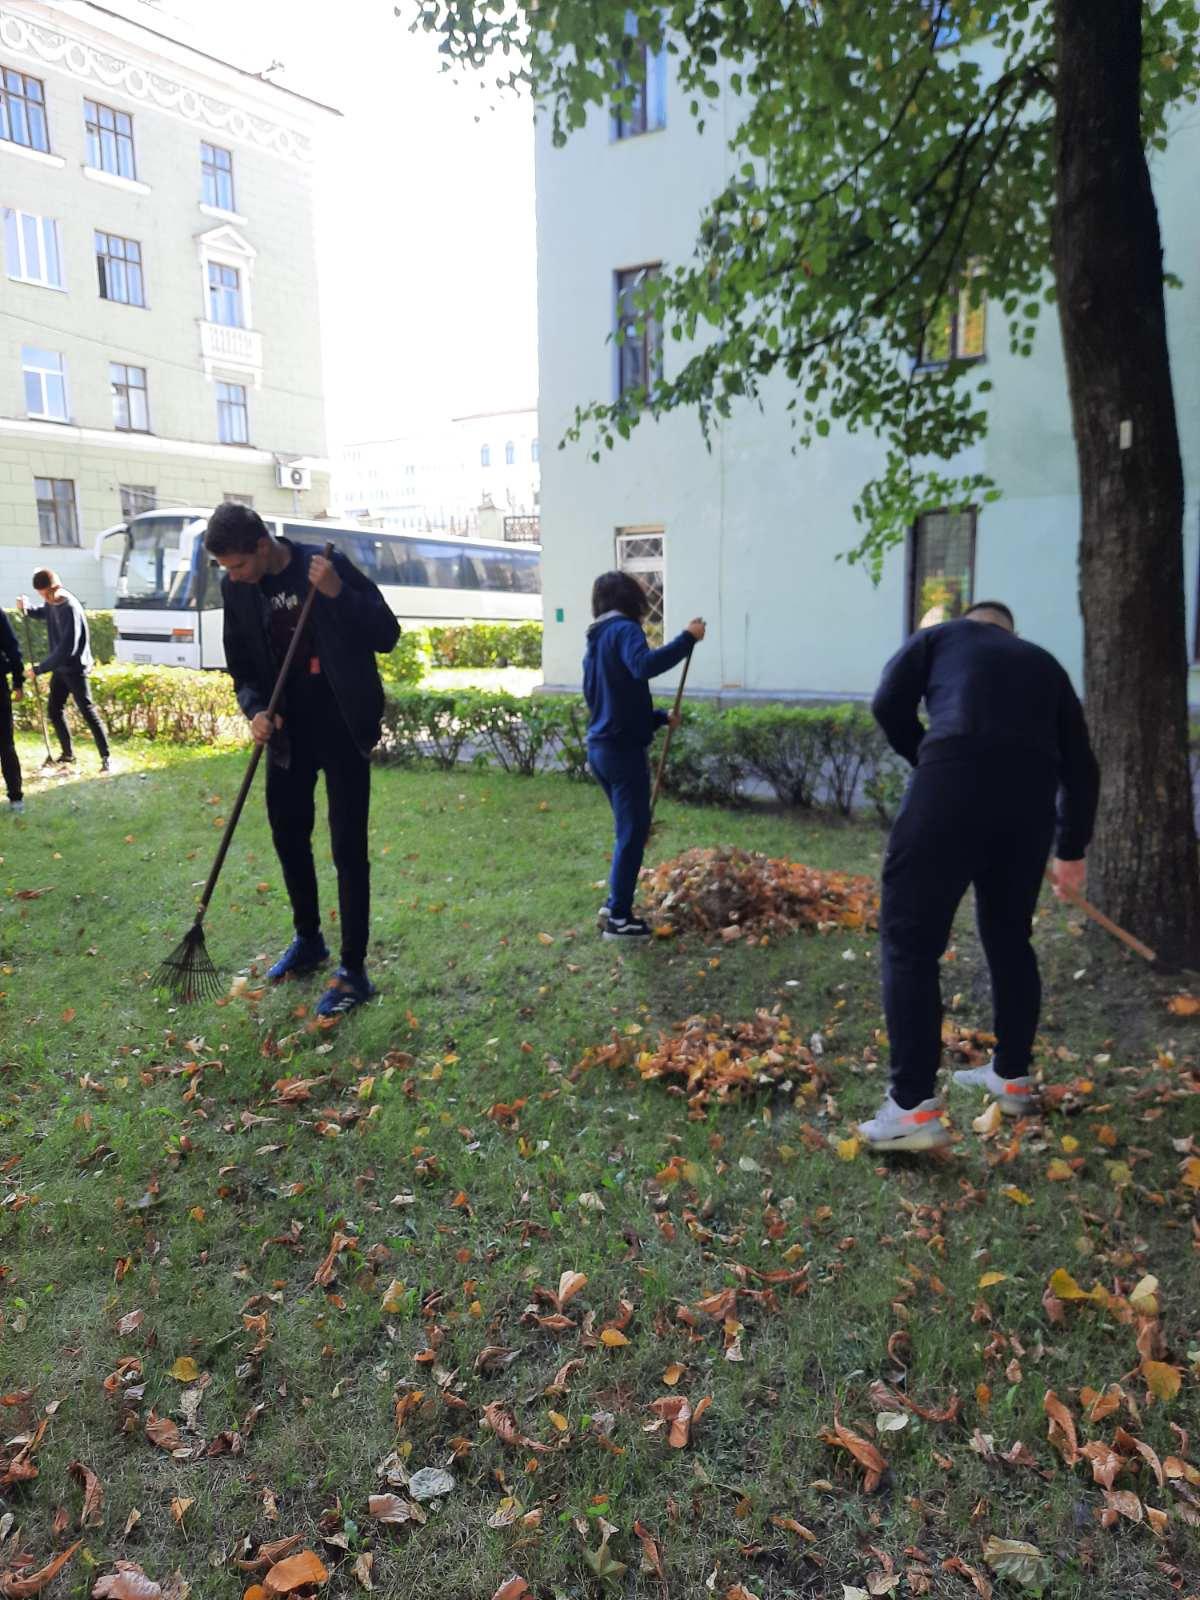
893,1128
1016,1096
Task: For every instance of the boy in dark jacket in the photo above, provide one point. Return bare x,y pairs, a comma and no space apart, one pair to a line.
11,667
616,671
68,661
330,722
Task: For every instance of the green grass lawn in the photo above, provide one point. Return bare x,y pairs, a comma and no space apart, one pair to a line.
158,1168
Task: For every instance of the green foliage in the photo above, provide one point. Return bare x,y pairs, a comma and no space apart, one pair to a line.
407,662
875,152
486,644
101,628
168,703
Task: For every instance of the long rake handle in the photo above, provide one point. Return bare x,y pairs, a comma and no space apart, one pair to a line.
256,757
37,688
662,760
1109,926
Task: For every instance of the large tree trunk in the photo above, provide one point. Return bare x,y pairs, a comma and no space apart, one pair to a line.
1108,261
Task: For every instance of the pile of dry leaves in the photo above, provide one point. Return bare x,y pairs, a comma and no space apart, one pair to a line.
708,1059
745,894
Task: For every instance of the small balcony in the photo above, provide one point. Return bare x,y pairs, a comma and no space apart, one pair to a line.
231,350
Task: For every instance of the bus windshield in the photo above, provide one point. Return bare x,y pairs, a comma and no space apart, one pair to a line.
156,570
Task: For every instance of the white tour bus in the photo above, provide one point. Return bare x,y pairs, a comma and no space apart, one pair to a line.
168,605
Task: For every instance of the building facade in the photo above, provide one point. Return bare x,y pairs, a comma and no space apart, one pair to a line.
467,475
747,534
159,336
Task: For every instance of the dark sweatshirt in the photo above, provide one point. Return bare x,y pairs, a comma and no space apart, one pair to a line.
70,647
988,693
616,671
11,661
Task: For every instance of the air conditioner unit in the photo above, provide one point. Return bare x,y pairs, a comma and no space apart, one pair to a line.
293,477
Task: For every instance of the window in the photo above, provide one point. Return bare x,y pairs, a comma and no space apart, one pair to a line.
45,383
957,330
485,455
645,76
233,421
941,571
58,522
136,498
23,110
109,139
640,552
639,335
33,249
535,451
119,264
131,412
224,295
510,454
216,169
238,499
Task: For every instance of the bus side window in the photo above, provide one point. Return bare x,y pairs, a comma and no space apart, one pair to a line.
384,569
471,572
527,572
410,569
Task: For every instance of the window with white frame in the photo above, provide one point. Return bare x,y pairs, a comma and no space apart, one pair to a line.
639,332
640,553
119,266
45,375
33,249
23,110
109,139
136,498
225,295
644,81
230,498
233,417
131,410
510,453
58,520
216,171
485,455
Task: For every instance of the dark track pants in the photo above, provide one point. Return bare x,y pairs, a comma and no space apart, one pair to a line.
73,685
324,746
624,775
963,823
10,765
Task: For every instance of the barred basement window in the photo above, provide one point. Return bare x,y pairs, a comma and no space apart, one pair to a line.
640,553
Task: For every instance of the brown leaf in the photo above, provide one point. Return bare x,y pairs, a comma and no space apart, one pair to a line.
1061,1432
130,1322
494,1358
128,1582
1126,1441
513,1589
362,1570
1106,1464
327,1271
163,1432
14,1587
394,1509
1126,1503
864,1452
569,1285
500,1419
93,1494
676,1411
652,1561
983,1585
1184,1005
295,1572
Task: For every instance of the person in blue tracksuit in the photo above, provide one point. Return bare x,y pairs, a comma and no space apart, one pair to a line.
617,670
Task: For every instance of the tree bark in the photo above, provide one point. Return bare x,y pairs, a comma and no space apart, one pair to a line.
1142,868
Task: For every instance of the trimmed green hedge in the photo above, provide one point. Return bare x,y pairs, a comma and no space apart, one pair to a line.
486,644
101,627
169,703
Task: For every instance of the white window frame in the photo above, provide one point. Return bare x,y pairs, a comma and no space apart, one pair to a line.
222,403
59,544
124,396
218,172
60,372
124,269
105,141
626,536
225,247
17,254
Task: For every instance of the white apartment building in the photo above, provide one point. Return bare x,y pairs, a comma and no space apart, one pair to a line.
747,534
159,336
467,475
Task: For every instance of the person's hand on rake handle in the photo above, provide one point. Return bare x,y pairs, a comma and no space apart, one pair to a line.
322,574
262,727
1067,878
696,627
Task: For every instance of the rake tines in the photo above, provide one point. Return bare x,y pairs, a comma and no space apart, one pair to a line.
188,972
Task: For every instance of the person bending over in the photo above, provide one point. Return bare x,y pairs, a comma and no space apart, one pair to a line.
68,661
1006,735
329,722
12,666
616,671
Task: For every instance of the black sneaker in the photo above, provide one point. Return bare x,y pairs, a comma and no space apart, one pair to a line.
625,928
62,760
300,958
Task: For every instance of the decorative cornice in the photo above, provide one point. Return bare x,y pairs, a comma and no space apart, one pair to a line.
21,36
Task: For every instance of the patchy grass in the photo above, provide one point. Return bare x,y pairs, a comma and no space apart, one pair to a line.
153,1163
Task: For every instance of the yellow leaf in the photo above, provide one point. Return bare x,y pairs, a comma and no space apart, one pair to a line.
847,1149
1191,1173
197,1213
1017,1196
1059,1171
1064,1287
179,1509
1162,1379
1144,1297
673,1374
393,1297
185,1370
989,1121
612,1338
1069,1143
1120,1174
991,1278
545,938
559,1421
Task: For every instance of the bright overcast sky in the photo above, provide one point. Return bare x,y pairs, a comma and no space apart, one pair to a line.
426,214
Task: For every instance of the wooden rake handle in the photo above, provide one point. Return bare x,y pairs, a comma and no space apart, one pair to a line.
256,757
662,760
1109,926
37,688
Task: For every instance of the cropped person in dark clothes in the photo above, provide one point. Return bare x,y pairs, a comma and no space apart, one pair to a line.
1006,735
330,722
12,667
68,661
616,671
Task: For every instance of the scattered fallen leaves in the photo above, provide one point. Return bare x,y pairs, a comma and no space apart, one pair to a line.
128,1582
15,1587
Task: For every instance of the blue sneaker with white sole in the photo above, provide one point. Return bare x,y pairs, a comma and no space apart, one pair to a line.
348,989
302,956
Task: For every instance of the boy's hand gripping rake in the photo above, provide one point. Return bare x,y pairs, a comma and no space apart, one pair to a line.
1109,926
189,972
37,692
662,760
